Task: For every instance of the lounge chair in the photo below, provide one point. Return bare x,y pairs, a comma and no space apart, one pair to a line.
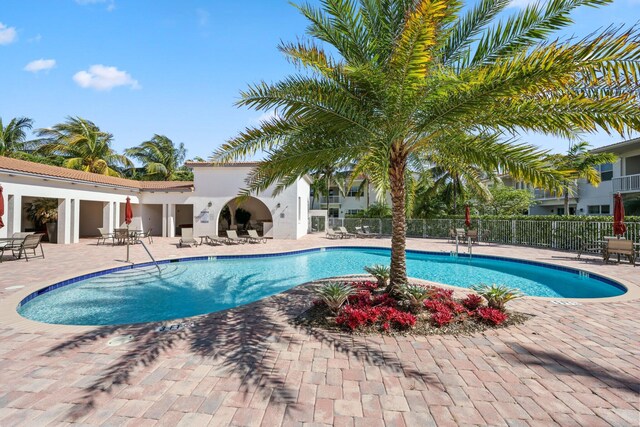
361,233
619,247
187,238
254,237
30,243
104,236
473,235
232,237
146,235
345,233
368,231
331,234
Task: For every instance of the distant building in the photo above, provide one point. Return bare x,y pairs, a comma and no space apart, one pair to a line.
622,176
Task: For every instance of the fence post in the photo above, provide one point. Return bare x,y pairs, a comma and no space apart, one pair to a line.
553,234
424,228
514,240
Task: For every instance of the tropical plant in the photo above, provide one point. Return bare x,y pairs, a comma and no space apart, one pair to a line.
414,296
404,81
13,137
579,163
225,214
42,211
242,217
497,296
375,210
84,147
380,272
160,157
335,294
507,201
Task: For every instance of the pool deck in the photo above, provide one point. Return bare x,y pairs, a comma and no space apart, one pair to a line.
568,365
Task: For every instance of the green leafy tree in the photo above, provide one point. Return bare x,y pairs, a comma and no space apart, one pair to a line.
403,80
507,201
577,164
83,146
13,137
160,157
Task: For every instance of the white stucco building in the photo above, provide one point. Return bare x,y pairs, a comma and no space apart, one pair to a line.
88,201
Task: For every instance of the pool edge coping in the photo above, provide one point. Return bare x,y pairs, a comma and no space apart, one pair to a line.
12,318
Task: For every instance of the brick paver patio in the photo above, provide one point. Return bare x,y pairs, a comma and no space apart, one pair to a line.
568,365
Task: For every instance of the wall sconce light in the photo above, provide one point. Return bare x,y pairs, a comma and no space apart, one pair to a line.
209,204
278,206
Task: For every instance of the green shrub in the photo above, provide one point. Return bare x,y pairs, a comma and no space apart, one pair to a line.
414,296
380,272
335,294
497,296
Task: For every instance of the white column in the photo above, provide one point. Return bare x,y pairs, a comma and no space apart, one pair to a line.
164,220
107,216
75,220
171,220
13,218
116,215
64,221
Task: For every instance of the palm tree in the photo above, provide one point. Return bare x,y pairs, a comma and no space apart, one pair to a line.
577,164
410,78
160,156
13,136
83,146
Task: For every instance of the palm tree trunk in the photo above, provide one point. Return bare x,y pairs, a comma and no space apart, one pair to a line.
397,165
566,201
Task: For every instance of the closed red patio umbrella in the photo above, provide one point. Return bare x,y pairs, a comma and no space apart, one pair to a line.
1,207
619,228
467,216
128,217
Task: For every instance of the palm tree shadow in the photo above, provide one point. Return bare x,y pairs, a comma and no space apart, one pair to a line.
558,364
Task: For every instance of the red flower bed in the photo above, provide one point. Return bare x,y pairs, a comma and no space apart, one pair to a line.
493,316
359,317
472,301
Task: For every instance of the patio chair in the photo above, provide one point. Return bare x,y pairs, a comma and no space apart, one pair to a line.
331,234
452,235
120,237
473,235
146,235
360,233
232,237
30,243
254,237
215,240
345,233
187,238
104,235
369,233
619,247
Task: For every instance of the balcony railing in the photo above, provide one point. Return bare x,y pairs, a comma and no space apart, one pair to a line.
539,194
332,199
626,183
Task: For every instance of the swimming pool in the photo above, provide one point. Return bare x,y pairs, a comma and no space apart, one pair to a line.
208,284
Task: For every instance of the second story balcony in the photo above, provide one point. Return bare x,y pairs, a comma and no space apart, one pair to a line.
331,199
541,194
626,183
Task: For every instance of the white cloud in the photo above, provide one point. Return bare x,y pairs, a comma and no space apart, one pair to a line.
7,34
524,3
111,4
266,116
40,65
101,77
35,39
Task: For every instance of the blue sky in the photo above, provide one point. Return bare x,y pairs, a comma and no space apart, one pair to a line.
139,67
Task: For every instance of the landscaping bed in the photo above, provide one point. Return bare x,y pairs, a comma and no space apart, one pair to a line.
369,307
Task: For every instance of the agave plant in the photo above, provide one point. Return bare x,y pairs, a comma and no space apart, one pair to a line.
335,294
414,296
497,296
380,272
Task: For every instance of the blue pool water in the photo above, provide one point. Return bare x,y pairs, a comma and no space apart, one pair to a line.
197,287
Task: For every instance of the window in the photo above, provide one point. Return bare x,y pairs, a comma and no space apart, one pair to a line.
354,192
354,211
606,171
599,210
333,212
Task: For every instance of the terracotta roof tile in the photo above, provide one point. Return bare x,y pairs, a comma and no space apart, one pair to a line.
8,164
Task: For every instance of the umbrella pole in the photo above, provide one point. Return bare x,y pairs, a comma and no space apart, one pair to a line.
127,242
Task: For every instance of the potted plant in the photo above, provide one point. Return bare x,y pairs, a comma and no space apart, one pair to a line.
44,213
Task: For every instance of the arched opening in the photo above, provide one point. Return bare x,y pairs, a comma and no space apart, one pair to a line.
245,213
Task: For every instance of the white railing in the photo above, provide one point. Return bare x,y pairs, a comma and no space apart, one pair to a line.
566,235
332,199
626,183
